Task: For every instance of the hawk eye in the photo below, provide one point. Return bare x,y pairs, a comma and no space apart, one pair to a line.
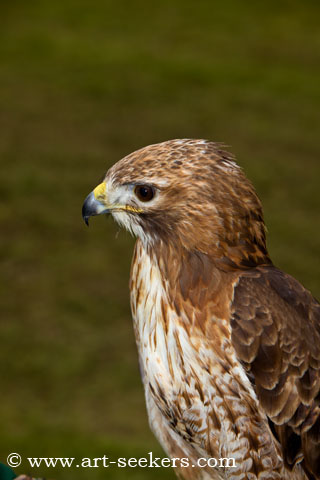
145,193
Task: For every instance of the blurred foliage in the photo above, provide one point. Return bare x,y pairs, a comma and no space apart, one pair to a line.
81,85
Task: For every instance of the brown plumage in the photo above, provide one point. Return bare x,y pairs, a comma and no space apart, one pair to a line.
229,346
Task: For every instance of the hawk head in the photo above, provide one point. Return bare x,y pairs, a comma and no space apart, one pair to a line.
186,193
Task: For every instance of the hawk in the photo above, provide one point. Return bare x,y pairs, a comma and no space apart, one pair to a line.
229,345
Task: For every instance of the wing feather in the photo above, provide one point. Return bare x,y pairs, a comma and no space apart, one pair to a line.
276,334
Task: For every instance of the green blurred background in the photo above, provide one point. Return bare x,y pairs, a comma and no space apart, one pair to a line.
81,85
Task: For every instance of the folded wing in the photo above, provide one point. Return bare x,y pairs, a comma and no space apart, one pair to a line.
276,335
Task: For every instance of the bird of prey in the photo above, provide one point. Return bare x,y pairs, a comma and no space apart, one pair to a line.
228,344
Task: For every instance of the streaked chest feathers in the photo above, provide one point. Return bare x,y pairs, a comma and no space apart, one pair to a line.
200,389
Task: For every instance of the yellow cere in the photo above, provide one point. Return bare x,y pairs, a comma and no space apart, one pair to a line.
100,191
100,194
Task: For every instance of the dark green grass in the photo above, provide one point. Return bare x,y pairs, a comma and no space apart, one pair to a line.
81,85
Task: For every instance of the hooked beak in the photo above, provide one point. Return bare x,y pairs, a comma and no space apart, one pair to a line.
95,203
